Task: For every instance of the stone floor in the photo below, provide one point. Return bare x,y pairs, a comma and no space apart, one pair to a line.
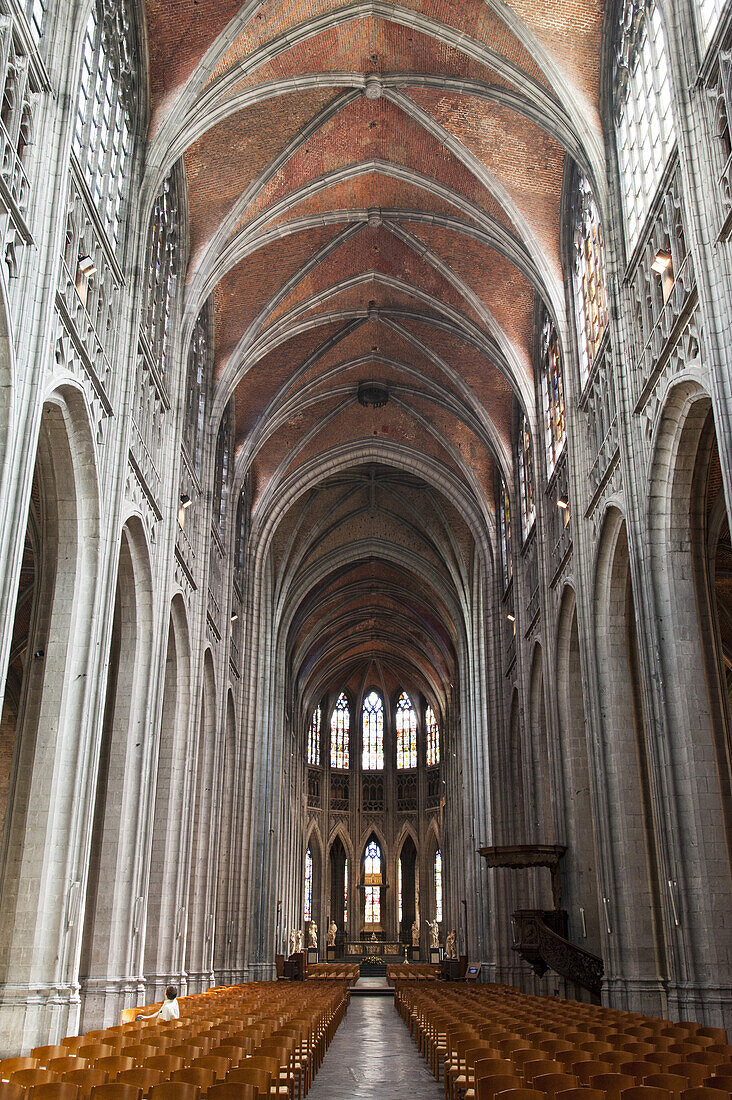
373,1058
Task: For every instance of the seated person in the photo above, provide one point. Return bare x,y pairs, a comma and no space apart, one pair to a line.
169,1010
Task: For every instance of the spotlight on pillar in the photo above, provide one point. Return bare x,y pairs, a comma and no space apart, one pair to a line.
185,500
511,618
563,504
662,261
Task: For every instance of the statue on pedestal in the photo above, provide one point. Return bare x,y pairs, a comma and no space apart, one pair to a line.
332,929
313,935
415,934
434,933
450,951
292,943
299,941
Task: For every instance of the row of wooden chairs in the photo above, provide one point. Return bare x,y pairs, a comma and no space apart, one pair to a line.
485,1040
239,1043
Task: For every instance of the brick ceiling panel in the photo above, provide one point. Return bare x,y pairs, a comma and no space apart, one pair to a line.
225,161
370,130
523,157
508,294
248,287
374,249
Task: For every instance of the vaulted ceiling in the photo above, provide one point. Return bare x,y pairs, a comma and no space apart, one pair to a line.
374,194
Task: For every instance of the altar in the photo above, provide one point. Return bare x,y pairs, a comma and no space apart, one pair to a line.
380,948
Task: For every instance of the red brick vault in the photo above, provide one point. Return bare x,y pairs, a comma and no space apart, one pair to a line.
374,195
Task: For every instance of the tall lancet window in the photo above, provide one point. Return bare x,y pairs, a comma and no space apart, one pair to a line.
222,470
406,733
36,13
308,906
340,724
372,879
433,738
526,476
105,107
162,264
590,289
373,732
345,892
644,126
552,389
196,391
438,885
707,14
314,739
504,517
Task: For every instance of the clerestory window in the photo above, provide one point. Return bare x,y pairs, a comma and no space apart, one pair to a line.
590,288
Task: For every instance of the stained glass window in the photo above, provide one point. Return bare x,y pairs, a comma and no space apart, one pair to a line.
222,471
399,891
162,262
552,388
314,738
406,733
308,913
590,289
644,127
433,738
504,512
196,390
373,732
372,866
438,885
345,891
340,721
526,476
105,107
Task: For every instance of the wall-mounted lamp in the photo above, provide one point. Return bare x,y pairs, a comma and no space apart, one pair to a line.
87,267
234,617
185,500
662,261
563,504
511,618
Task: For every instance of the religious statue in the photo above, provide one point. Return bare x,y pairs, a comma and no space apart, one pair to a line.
332,929
434,933
300,941
373,937
415,934
292,943
313,934
450,952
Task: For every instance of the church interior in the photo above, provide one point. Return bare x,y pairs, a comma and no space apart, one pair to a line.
365,557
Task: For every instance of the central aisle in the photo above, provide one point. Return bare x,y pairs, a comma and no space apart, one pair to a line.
372,1056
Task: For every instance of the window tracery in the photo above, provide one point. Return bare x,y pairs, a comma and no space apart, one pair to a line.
372,871
438,886
35,11
314,738
644,127
504,515
552,388
345,891
373,732
308,907
406,733
106,105
240,541
197,390
340,722
161,271
590,288
707,14
433,738
222,470
526,476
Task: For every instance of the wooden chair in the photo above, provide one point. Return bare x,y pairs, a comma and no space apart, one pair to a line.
115,1064
646,1092
219,1065
519,1094
63,1065
141,1078
581,1094
612,1084
168,1063
30,1077
86,1079
717,1083
174,1090
10,1065
672,1082
255,1076
552,1083
639,1070
116,1090
139,1052
196,1075
540,1066
487,1086
44,1054
10,1091
92,1051
662,1059
54,1090
234,1053
584,1071
704,1092
243,1091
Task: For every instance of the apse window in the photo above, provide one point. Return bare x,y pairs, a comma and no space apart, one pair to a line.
433,738
308,906
438,885
340,721
373,732
314,739
372,880
406,733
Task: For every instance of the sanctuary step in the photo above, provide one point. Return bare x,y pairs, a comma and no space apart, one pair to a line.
372,987
373,970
